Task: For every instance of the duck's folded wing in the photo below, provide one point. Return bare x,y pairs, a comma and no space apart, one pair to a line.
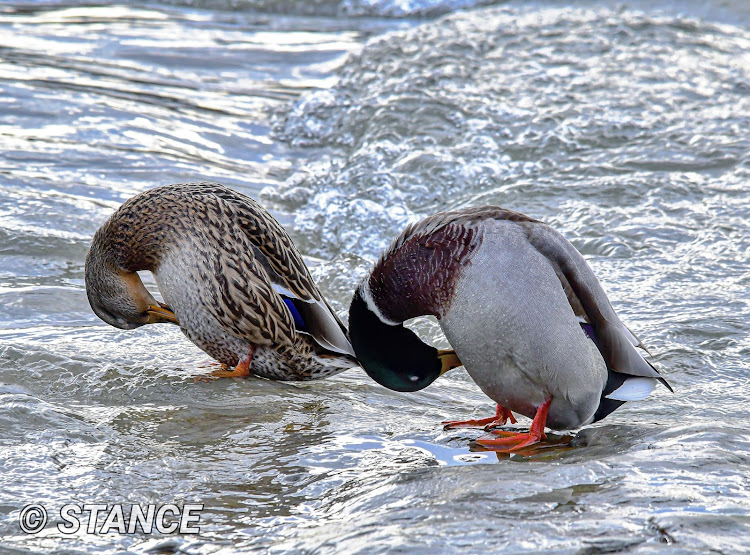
634,339
616,342
325,327
246,301
279,264
270,238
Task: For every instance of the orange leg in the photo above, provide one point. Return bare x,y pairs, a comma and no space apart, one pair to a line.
524,439
242,370
502,415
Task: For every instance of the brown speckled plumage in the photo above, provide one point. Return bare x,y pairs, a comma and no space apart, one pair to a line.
221,261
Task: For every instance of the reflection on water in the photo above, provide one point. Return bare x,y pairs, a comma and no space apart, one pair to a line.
624,128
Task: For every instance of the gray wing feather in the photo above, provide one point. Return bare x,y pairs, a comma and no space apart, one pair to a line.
325,327
616,342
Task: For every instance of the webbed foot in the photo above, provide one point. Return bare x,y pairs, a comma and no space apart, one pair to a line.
502,415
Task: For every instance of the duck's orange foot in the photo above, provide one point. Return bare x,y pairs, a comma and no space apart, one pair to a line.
513,441
242,370
203,378
502,415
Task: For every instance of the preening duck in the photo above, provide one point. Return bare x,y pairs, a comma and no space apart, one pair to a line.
522,310
230,277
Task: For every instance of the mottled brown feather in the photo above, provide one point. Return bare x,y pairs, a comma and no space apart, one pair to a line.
265,233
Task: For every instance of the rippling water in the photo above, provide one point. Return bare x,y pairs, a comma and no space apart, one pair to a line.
626,129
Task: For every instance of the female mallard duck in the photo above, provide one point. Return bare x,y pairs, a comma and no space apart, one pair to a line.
522,309
230,276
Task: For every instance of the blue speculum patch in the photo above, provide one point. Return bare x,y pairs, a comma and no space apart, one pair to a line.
299,323
589,329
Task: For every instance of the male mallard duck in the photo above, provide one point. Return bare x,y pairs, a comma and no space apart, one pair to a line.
230,276
520,306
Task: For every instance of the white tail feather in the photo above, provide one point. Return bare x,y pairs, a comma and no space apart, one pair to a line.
634,389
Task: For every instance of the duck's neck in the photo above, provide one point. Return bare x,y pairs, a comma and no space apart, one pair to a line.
133,239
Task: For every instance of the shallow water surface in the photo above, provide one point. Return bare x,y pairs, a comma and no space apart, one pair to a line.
624,128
